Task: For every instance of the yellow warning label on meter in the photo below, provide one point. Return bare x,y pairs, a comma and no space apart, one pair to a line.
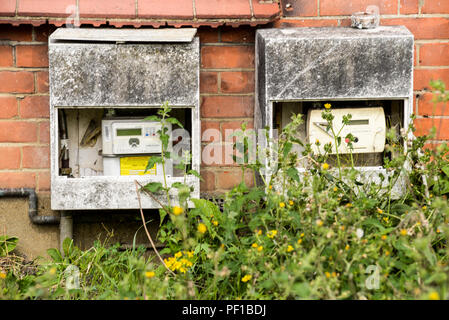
132,166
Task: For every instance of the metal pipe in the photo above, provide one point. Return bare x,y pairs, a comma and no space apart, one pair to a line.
32,205
65,228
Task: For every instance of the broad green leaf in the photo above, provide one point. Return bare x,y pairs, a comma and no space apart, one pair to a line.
151,162
153,187
7,244
174,121
55,255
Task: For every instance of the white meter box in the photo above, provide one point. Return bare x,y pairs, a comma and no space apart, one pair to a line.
367,125
133,72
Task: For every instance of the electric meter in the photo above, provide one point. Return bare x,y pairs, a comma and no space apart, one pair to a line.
367,125
129,143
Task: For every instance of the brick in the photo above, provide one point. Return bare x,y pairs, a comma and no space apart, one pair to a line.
18,131
208,183
206,9
435,6
32,56
426,107
336,8
47,8
6,59
409,6
44,132
237,82
238,35
208,35
265,10
208,82
422,28
16,82
8,107
306,23
10,158
107,8
42,33
422,77
229,127
36,157
167,9
22,33
424,125
17,179
35,107
42,82
227,107
44,181
8,8
299,8
213,132
434,54
227,57
228,179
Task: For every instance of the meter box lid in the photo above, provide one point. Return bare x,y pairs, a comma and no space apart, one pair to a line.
115,67
334,63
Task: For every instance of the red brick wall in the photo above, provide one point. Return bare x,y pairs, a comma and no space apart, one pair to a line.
24,108
227,81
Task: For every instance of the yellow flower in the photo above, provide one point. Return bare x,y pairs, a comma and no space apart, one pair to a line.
424,207
289,248
342,228
247,278
384,237
258,232
254,245
387,253
335,189
348,205
302,235
178,254
272,233
327,105
434,295
334,274
202,228
270,187
290,202
347,247
328,275
325,166
319,223
299,241
2,275
403,232
438,230
317,141
260,248
52,271
177,210
380,210
149,274
282,204
386,219
215,222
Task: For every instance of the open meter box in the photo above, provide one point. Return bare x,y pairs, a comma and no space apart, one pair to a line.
128,143
367,125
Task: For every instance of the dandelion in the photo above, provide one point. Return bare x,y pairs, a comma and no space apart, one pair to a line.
403,232
270,187
290,202
384,237
289,248
387,253
282,204
319,223
380,211
424,207
258,232
348,205
202,228
177,210
434,295
149,274
247,278
347,247
259,248
327,105
335,189
317,141
302,235
254,245
328,275
386,219
272,233
2,275
215,222
299,241
325,166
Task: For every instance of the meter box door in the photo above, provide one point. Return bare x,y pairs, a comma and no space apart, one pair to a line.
95,73
367,73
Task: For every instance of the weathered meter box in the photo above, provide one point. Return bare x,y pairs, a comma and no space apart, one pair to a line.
367,73
103,84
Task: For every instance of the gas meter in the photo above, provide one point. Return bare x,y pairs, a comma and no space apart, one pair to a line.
128,144
367,125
